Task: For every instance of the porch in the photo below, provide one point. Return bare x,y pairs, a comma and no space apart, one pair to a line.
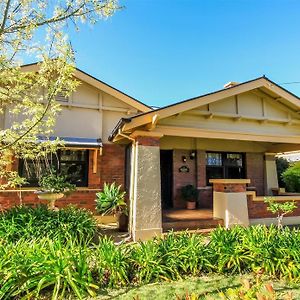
183,219
233,133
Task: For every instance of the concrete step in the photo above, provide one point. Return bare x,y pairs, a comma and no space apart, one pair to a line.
179,225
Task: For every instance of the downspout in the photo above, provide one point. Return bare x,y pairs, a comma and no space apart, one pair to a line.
132,179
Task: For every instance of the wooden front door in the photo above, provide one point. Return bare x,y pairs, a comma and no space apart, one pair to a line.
166,171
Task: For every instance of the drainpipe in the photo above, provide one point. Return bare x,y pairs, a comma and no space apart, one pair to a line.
132,179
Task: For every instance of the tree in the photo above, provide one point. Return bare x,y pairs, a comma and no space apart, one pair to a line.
291,177
27,99
281,165
280,209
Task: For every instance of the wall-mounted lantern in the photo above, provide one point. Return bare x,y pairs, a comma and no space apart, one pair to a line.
193,155
183,158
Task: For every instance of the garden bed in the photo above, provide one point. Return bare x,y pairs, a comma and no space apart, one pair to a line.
54,254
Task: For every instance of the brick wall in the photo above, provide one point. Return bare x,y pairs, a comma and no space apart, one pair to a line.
182,179
83,199
255,171
205,197
258,209
147,141
110,168
112,164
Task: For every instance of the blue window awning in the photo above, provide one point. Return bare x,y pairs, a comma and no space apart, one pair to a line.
76,142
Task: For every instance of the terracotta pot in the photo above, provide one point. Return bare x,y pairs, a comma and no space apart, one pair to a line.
123,223
191,204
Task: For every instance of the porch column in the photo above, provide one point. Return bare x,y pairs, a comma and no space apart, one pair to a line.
271,179
230,201
146,189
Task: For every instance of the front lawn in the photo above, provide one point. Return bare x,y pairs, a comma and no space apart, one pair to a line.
205,287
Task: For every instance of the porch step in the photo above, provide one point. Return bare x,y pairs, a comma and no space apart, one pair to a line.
205,231
179,225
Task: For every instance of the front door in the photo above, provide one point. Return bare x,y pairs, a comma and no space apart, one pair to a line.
166,172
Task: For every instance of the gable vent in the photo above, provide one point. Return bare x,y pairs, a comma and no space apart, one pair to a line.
60,96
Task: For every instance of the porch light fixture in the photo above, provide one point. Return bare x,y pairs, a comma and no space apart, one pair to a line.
192,155
183,158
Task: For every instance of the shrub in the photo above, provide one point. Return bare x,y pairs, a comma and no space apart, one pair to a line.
111,263
29,268
281,165
24,222
111,200
228,251
52,268
169,258
269,250
189,193
280,208
291,178
56,183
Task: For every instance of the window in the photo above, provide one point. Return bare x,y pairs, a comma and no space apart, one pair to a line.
224,165
72,163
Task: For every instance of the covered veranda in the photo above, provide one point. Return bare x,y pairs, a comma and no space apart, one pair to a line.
234,133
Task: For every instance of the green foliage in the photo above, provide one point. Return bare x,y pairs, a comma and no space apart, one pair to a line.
291,178
55,183
112,264
29,98
24,222
54,267
111,200
281,165
271,251
280,208
189,193
31,267
228,251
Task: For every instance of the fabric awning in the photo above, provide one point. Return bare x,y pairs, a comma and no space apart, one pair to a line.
76,142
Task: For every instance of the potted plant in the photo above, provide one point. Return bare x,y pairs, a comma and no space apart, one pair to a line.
110,203
53,187
189,194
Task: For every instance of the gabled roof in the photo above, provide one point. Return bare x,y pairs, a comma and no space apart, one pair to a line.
83,76
268,86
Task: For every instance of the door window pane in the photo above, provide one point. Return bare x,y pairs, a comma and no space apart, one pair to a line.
214,159
221,165
234,159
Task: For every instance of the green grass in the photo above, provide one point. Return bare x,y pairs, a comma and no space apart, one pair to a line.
206,287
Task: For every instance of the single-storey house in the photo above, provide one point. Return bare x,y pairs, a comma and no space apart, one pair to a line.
224,143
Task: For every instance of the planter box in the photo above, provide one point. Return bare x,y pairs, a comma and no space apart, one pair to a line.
106,219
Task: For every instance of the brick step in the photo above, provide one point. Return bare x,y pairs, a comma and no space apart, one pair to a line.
205,231
192,224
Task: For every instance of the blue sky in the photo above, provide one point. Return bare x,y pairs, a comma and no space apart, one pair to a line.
163,51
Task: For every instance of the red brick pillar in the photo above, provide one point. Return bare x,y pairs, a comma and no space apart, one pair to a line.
255,171
201,168
205,198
